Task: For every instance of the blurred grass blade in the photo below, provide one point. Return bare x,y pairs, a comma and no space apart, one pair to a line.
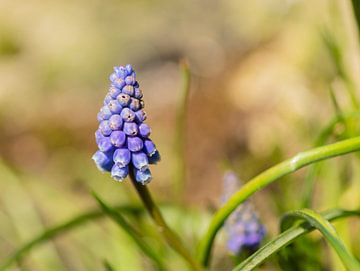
356,7
287,237
180,129
52,232
136,236
107,266
265,178
327,230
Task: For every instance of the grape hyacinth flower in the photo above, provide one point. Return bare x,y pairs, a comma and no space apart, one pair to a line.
243,228
123,136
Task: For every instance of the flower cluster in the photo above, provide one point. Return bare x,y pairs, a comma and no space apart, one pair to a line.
123,137
243,227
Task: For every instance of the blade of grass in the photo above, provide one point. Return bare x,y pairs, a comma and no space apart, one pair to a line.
57,230
327,230
267,177
180,130
287,237
134,234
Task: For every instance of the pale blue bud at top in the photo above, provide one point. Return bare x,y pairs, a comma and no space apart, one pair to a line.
128,89
122,136
243,227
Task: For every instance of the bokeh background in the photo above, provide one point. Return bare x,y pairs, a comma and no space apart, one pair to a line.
261,70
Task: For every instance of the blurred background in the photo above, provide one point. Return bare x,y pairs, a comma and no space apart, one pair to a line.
267,77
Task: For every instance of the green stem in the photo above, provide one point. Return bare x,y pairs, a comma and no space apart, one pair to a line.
59,229
266,178
170,237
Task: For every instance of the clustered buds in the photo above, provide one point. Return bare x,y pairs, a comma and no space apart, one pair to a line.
123,137
244,230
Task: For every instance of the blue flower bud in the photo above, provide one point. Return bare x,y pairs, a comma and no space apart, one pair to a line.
121,119
119,173
122,157
120,72
149,147
104,128
119,82
114,91
107,99
153,159
140,160
105,112
102,161
135,144
129,69
105,145
128,89
115,122
127,115
144,130
134,104
123,99
142,177
138,93
118,138
130,128
115,106
130,80
98,136
140,116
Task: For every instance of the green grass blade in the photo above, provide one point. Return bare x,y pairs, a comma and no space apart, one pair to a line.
327,230
107,266
267,177
61,229
287,237
134,234
180,129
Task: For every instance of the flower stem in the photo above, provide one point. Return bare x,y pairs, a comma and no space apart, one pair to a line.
267,177
170,237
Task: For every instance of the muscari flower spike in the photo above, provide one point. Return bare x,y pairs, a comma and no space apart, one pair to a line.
243,227
123,136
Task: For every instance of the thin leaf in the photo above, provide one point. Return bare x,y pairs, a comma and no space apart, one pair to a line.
55,231
136,236
108,266
327,230
287,237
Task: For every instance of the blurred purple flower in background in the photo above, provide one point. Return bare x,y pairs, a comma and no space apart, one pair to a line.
243,228
123,137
